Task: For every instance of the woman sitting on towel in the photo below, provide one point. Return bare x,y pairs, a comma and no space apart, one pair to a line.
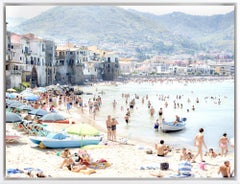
72,165
185,167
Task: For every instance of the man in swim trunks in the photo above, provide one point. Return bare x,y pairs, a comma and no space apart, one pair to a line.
225,170
199,142
162,149
223,143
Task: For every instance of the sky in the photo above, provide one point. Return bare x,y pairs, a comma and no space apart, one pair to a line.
206,10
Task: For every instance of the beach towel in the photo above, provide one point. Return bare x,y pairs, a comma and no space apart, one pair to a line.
14,171
184,168
180,176
152,166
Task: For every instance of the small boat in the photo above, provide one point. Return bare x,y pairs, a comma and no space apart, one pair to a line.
59,140
170,127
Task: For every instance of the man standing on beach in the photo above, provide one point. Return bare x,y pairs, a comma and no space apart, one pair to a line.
109,127
199,142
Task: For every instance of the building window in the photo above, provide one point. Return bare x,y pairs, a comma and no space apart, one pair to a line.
15,67
43,48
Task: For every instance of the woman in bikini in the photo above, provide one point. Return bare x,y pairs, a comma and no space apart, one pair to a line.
223,143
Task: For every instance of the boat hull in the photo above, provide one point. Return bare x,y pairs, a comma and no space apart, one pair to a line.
65,143
170,127
69,143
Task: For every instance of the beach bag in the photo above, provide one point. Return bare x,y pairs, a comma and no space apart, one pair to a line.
164,166
149,152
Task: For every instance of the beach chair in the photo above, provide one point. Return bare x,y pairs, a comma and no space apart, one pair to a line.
27,126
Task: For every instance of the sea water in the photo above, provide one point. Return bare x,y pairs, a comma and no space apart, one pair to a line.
214,112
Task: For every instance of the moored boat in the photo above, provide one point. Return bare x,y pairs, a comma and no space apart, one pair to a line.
171,127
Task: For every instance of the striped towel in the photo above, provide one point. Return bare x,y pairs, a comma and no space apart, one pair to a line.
184,168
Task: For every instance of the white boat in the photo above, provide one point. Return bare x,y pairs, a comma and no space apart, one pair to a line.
171,127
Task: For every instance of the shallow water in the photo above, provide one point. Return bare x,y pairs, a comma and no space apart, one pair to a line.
215,118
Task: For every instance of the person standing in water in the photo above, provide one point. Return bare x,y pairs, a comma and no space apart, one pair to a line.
127,116
199,143
156,125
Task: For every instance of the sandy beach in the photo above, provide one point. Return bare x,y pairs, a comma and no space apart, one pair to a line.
128,159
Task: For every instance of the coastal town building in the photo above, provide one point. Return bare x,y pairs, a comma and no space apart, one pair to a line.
28,60
40,62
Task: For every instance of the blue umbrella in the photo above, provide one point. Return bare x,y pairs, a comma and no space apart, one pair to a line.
12,95
31,98
13,117
8,101
25,107
15,104
52,117
38,112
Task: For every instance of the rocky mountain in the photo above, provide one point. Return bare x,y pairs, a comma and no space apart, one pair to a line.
147,33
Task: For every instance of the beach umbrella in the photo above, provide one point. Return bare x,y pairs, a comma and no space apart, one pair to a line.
26,91
15,104
38,112
82,129
9,101
52,117
13,117
11,90
31,97
40,90
12,95
25,107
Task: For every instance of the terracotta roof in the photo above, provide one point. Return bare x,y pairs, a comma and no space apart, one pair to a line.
16,38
